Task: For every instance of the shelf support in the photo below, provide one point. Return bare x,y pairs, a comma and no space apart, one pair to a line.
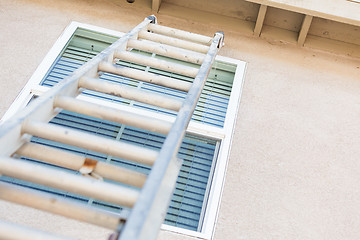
304,29
260,20
155,5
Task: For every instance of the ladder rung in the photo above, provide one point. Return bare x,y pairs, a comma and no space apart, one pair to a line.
130,93
157,63
167,51
173,42
76,162
172,32
58,205
90,141
145,76
16,232
112,114
62,180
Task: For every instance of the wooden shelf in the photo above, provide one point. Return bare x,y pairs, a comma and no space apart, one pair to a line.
333,46
279,34
226,23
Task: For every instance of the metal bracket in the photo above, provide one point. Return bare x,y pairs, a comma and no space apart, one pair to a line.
221,42
153,19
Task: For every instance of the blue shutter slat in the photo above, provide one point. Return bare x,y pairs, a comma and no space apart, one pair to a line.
180,197
70,62
184,210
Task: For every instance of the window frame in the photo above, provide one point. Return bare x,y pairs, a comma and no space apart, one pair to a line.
222,134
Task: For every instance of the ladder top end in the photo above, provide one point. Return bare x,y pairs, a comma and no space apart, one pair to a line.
221,42
152,18
220,33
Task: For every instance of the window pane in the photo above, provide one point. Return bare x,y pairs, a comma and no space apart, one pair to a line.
84,45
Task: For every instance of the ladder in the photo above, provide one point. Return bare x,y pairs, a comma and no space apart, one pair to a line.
148,205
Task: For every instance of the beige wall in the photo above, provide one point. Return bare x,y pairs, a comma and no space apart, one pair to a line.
294,171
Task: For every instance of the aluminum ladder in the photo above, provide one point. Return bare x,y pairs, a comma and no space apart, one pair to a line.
149,204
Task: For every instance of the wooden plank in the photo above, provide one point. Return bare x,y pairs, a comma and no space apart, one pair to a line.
155,5
279,34
260,20
333,46
346,12
304,29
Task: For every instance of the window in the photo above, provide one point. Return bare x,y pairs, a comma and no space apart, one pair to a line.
205,149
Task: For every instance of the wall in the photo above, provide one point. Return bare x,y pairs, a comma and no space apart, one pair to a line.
293,168
293,171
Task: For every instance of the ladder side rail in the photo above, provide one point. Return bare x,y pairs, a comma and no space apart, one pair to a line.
149,211
42,108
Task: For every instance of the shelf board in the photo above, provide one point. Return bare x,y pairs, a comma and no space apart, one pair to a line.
333,46
279,34
226,23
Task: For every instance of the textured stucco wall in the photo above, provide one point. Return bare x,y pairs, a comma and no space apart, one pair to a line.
293,172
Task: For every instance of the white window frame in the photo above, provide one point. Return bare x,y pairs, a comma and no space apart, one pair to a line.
224,134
